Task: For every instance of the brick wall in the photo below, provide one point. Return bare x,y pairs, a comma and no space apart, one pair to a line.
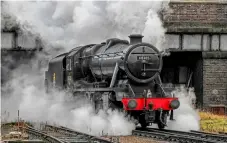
197,12
196,15
215,82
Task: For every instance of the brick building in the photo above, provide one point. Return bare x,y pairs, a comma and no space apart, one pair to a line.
197,40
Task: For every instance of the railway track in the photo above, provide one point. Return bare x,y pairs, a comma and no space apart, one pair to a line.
53,134
38,134
220,133
180,136
67,135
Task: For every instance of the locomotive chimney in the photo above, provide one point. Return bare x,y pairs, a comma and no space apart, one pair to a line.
135,38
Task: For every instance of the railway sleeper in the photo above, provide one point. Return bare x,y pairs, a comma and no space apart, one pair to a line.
196,134
174,137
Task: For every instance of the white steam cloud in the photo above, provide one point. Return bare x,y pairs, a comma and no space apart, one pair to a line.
25,93
186,117
67,24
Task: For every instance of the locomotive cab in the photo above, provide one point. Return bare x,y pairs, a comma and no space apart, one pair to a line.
55,76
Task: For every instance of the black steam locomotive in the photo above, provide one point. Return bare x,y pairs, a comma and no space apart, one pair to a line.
115,74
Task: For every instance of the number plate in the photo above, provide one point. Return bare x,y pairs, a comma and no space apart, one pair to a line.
143,57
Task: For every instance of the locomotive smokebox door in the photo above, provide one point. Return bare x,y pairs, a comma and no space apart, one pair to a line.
143,63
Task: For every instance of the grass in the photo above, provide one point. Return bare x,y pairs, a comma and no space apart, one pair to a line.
213,123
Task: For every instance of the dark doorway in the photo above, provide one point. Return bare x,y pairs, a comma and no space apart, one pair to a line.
184,68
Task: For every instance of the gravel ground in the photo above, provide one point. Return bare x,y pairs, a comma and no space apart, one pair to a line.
115,139
134,139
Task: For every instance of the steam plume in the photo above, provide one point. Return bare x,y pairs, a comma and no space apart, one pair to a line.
66,25
186,117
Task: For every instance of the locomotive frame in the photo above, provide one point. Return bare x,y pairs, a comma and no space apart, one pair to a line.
117,75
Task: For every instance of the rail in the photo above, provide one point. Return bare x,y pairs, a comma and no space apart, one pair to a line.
46,138
200,134
69,135
180,136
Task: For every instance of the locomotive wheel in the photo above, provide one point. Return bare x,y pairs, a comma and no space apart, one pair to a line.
112,106
143,122
98,106
161,125
95,100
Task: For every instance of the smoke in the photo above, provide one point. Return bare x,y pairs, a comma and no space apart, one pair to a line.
66,25
186,117
26,94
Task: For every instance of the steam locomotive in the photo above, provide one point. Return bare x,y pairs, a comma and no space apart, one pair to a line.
116,74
